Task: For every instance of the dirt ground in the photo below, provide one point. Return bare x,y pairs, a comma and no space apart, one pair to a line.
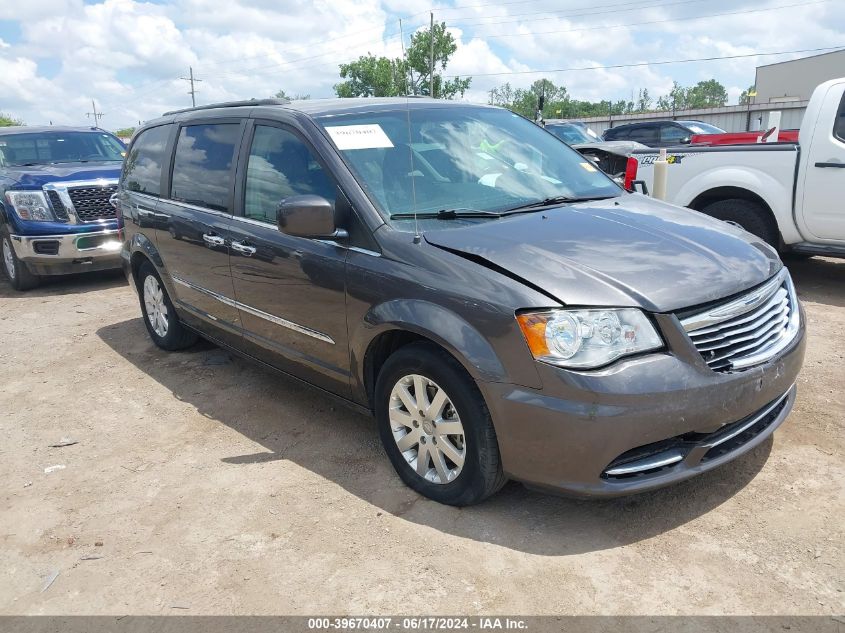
201,484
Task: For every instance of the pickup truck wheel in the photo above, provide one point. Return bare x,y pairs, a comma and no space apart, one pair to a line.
16,271
747,215
159,314
435,426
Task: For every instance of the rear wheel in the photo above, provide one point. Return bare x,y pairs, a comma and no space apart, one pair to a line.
747,215
159,315
435,426
16,271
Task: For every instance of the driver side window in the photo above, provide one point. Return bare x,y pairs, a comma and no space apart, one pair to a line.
280,166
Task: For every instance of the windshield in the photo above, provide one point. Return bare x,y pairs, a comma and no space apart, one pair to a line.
571,134
39,148
472,159
702,128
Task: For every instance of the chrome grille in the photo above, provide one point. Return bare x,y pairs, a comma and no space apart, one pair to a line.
92,203
749,330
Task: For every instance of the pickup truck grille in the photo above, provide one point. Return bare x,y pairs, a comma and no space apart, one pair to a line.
56,202
92,203
747,331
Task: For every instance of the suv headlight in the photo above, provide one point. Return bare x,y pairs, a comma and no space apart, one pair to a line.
30,205
584,339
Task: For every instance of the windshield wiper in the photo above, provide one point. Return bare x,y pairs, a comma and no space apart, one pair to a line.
549,202
447,214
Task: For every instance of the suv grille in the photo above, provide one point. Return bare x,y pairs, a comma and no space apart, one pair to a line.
92,203
749,330
56,202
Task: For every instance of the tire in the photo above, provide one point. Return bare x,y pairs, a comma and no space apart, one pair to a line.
15,270
158,312
480,474
749,215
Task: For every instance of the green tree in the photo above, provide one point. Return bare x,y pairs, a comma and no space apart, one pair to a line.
371,76
125,132
707,94
281,94
675,100
7,120
644,101
747,95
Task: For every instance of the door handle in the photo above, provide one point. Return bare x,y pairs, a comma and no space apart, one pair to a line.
839,165
213,240
148,213
243,249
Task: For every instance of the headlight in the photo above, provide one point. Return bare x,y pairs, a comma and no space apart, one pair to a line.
30,205
583,339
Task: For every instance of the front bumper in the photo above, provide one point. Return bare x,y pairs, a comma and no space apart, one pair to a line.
69,253
580,432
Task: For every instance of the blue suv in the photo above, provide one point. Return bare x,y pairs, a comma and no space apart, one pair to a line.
55,211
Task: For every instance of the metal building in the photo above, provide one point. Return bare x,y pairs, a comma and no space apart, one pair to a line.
796,79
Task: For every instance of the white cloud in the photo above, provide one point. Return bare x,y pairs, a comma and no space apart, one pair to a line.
129,55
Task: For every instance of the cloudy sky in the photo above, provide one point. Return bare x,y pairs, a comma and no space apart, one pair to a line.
56,55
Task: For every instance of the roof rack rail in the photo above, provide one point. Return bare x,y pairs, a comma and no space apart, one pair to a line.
231,104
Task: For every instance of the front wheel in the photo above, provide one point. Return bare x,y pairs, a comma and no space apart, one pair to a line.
159,314
435,427
16,271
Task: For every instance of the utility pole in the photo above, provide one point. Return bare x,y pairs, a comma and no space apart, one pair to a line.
192,79
97,115
431,63
405,60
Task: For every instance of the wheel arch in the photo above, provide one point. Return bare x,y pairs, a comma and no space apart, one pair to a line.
143,249
717,194
394,324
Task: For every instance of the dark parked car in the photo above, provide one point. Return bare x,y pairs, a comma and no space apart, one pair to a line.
660,133
55,216
502,307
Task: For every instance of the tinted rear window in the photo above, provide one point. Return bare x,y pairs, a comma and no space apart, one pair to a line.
202,168
645,134
142,168
616,133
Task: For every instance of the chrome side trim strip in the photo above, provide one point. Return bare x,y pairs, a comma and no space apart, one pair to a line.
194,207
256,312
743,304
757,417
665,458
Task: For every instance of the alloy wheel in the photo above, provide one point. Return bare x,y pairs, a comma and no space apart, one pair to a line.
8,258
427,429
155,305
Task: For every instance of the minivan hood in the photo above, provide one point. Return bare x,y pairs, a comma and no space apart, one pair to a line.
626,251
33,176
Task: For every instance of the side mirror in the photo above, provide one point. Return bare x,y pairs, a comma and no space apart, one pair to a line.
686,140
308,216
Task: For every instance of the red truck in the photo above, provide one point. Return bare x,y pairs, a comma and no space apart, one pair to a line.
743,138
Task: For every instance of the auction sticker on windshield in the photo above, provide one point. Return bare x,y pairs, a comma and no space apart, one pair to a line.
358,136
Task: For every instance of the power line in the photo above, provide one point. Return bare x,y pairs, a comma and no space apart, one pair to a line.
630,24
293,63
658,63
612,8
392,35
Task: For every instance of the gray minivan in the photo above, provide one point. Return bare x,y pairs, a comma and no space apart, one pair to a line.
502,307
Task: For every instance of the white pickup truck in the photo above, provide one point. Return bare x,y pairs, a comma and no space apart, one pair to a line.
790,194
